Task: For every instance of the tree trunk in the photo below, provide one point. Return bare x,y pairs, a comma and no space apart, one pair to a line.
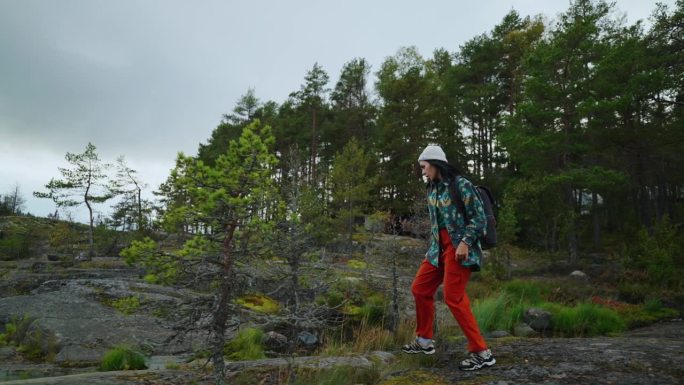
595,218
394,315
294,267
221,309
351,230
91,251
571,227
313,150
140,215
645,208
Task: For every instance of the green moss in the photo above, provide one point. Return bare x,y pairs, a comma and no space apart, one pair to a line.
259,303
151,279
361,237
357,264
350,309
161,312
126,305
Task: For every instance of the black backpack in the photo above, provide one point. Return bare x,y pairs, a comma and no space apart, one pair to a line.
489,240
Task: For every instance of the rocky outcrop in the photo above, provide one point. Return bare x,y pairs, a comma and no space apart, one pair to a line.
80,316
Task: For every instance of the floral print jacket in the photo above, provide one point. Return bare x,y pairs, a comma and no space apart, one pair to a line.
439,198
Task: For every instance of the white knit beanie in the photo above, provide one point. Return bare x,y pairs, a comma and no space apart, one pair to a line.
433,153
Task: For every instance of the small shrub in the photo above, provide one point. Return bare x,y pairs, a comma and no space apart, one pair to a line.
15,246
63,236
373,311
333,298
659,255
122,358
33,343
633,291
247,345
16,329
31,347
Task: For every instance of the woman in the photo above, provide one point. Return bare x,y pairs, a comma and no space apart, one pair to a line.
444,263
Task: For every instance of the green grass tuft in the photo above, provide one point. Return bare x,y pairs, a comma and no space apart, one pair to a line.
122,358
526,291
584,320
247,345
490,313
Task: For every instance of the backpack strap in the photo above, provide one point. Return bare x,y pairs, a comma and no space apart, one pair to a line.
455,193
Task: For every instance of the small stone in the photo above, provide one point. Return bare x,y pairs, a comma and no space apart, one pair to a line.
580,275
538,319
384,357
82,256
499,334
524,330
274,341
307,339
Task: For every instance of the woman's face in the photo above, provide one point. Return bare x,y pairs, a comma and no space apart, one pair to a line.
429,171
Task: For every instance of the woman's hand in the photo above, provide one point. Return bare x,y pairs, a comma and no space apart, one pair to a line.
461,251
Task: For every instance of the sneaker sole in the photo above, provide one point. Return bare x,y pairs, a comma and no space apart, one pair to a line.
478,367
416,352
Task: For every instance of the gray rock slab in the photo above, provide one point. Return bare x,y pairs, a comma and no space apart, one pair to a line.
83,325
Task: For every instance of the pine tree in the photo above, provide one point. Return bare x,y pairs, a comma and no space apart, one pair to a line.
85,183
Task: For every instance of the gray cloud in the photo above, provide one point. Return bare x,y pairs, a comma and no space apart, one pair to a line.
150,78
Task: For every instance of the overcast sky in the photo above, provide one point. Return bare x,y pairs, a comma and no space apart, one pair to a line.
147,79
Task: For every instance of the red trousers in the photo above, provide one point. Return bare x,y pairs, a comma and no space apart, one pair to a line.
455,278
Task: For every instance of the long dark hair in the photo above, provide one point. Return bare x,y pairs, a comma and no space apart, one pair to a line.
447,172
